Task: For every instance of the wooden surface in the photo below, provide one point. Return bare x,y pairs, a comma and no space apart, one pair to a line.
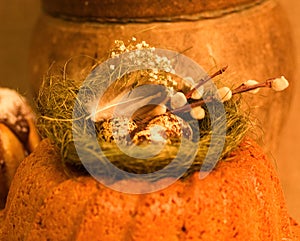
17,21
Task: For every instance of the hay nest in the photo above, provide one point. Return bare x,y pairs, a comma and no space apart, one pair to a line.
55,104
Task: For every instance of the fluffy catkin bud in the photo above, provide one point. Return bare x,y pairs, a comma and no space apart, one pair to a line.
224,94
280,84
178,100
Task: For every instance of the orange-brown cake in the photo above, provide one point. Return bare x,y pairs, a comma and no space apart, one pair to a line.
240,200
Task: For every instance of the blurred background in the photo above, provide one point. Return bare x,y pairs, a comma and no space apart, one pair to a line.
18,18
287,158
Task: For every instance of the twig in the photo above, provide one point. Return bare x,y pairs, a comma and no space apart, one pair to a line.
203,81
245,88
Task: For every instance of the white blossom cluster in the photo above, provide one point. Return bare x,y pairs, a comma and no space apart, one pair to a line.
141,55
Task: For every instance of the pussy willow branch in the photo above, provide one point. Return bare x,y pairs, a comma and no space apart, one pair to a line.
244,88
241,89
205,80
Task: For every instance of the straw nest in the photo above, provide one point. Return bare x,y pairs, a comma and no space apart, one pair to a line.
55,104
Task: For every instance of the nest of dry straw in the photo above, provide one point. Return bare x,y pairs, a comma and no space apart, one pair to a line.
55,105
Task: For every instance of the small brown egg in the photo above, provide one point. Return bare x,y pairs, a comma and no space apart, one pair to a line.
113,129
165,128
